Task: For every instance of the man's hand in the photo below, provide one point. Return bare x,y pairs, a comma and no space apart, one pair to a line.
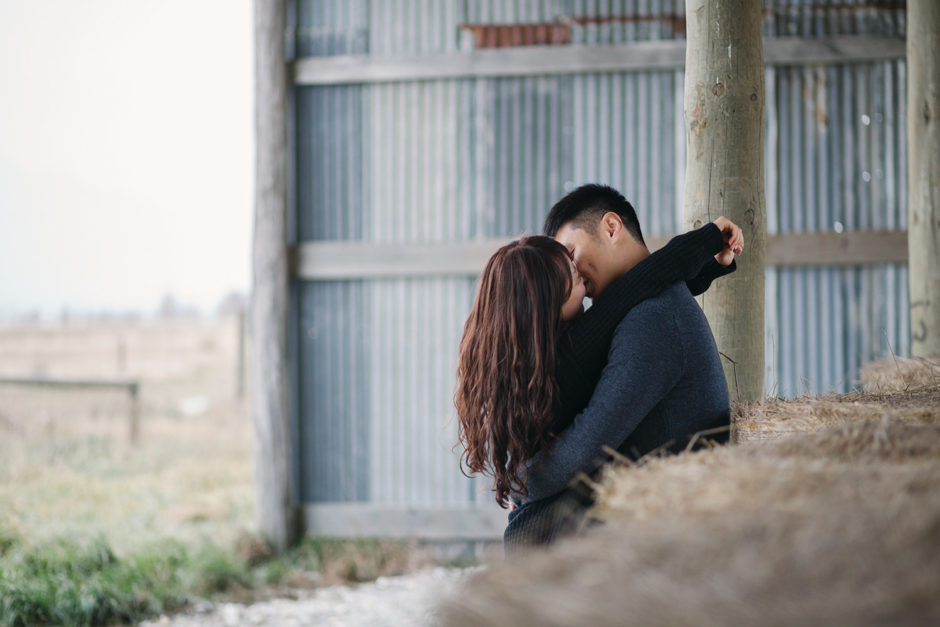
734,240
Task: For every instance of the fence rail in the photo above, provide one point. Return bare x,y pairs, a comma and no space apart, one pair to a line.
131,386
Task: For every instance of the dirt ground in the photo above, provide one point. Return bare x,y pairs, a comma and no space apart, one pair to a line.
827,511
66,464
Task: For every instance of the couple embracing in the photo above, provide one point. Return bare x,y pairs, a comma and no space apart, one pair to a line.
544,386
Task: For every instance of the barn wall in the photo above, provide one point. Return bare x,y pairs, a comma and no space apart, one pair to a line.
406,162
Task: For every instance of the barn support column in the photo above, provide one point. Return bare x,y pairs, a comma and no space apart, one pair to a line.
923,174
724,117
276,512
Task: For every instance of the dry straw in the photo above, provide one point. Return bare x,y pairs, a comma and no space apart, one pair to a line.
826,512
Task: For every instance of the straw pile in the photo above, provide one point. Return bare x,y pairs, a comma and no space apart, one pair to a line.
906,390
838,523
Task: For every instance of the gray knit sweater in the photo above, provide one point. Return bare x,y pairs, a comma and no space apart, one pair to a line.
663,382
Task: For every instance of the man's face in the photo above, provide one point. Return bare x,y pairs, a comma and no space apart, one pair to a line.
592,257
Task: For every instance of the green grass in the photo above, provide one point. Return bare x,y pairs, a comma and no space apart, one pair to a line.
84,516
65,582
86,583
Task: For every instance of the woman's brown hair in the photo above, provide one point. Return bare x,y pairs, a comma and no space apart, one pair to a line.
506,391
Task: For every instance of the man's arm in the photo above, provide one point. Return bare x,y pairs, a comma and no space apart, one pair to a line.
645,363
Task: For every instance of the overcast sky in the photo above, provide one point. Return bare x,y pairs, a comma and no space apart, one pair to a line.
125,153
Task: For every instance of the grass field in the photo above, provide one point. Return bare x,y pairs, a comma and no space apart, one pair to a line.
67,468
96,530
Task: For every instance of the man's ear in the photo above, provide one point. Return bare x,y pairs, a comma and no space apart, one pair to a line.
611,226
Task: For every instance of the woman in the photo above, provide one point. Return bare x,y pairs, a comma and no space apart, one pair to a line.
529,362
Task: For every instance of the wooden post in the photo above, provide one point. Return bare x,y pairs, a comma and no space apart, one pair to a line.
923,174
240,366
276,511
121,356
724,115
134,393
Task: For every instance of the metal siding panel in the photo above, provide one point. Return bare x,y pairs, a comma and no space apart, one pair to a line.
591,131
578,99
616,158
771,333
772,304
332,416
837,160
332,182
412,365
331,28
642,132
514,113
463,159
831,17
620,138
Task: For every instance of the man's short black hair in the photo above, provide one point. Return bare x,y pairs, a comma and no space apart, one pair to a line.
585,206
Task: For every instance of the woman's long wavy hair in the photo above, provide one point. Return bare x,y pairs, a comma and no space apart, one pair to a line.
506,390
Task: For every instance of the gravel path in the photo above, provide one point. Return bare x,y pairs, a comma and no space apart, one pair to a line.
406,600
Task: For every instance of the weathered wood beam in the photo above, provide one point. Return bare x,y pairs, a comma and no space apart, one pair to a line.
850,248
368,520
277,514
724,121
531,60
370,260
923,172
353,260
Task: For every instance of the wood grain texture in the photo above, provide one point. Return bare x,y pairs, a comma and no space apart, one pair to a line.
276,511
850,248
321,261
923,172
530,60
724,115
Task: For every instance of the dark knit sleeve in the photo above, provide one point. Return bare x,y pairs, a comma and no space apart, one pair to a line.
582,349
710,271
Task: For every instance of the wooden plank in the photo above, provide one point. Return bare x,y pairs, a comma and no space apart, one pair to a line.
849,248
542,60
320,261
517,61
346,260
274,506
842,49
367,520
923,174
118,384
362,260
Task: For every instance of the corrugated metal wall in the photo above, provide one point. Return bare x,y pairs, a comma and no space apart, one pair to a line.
462,159
835,160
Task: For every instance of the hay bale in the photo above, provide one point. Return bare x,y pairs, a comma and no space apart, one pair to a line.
900,375
908,392
837,526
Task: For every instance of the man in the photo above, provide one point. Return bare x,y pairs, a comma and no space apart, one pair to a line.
663,382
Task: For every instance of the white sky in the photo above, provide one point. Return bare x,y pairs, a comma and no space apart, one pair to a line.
126,153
